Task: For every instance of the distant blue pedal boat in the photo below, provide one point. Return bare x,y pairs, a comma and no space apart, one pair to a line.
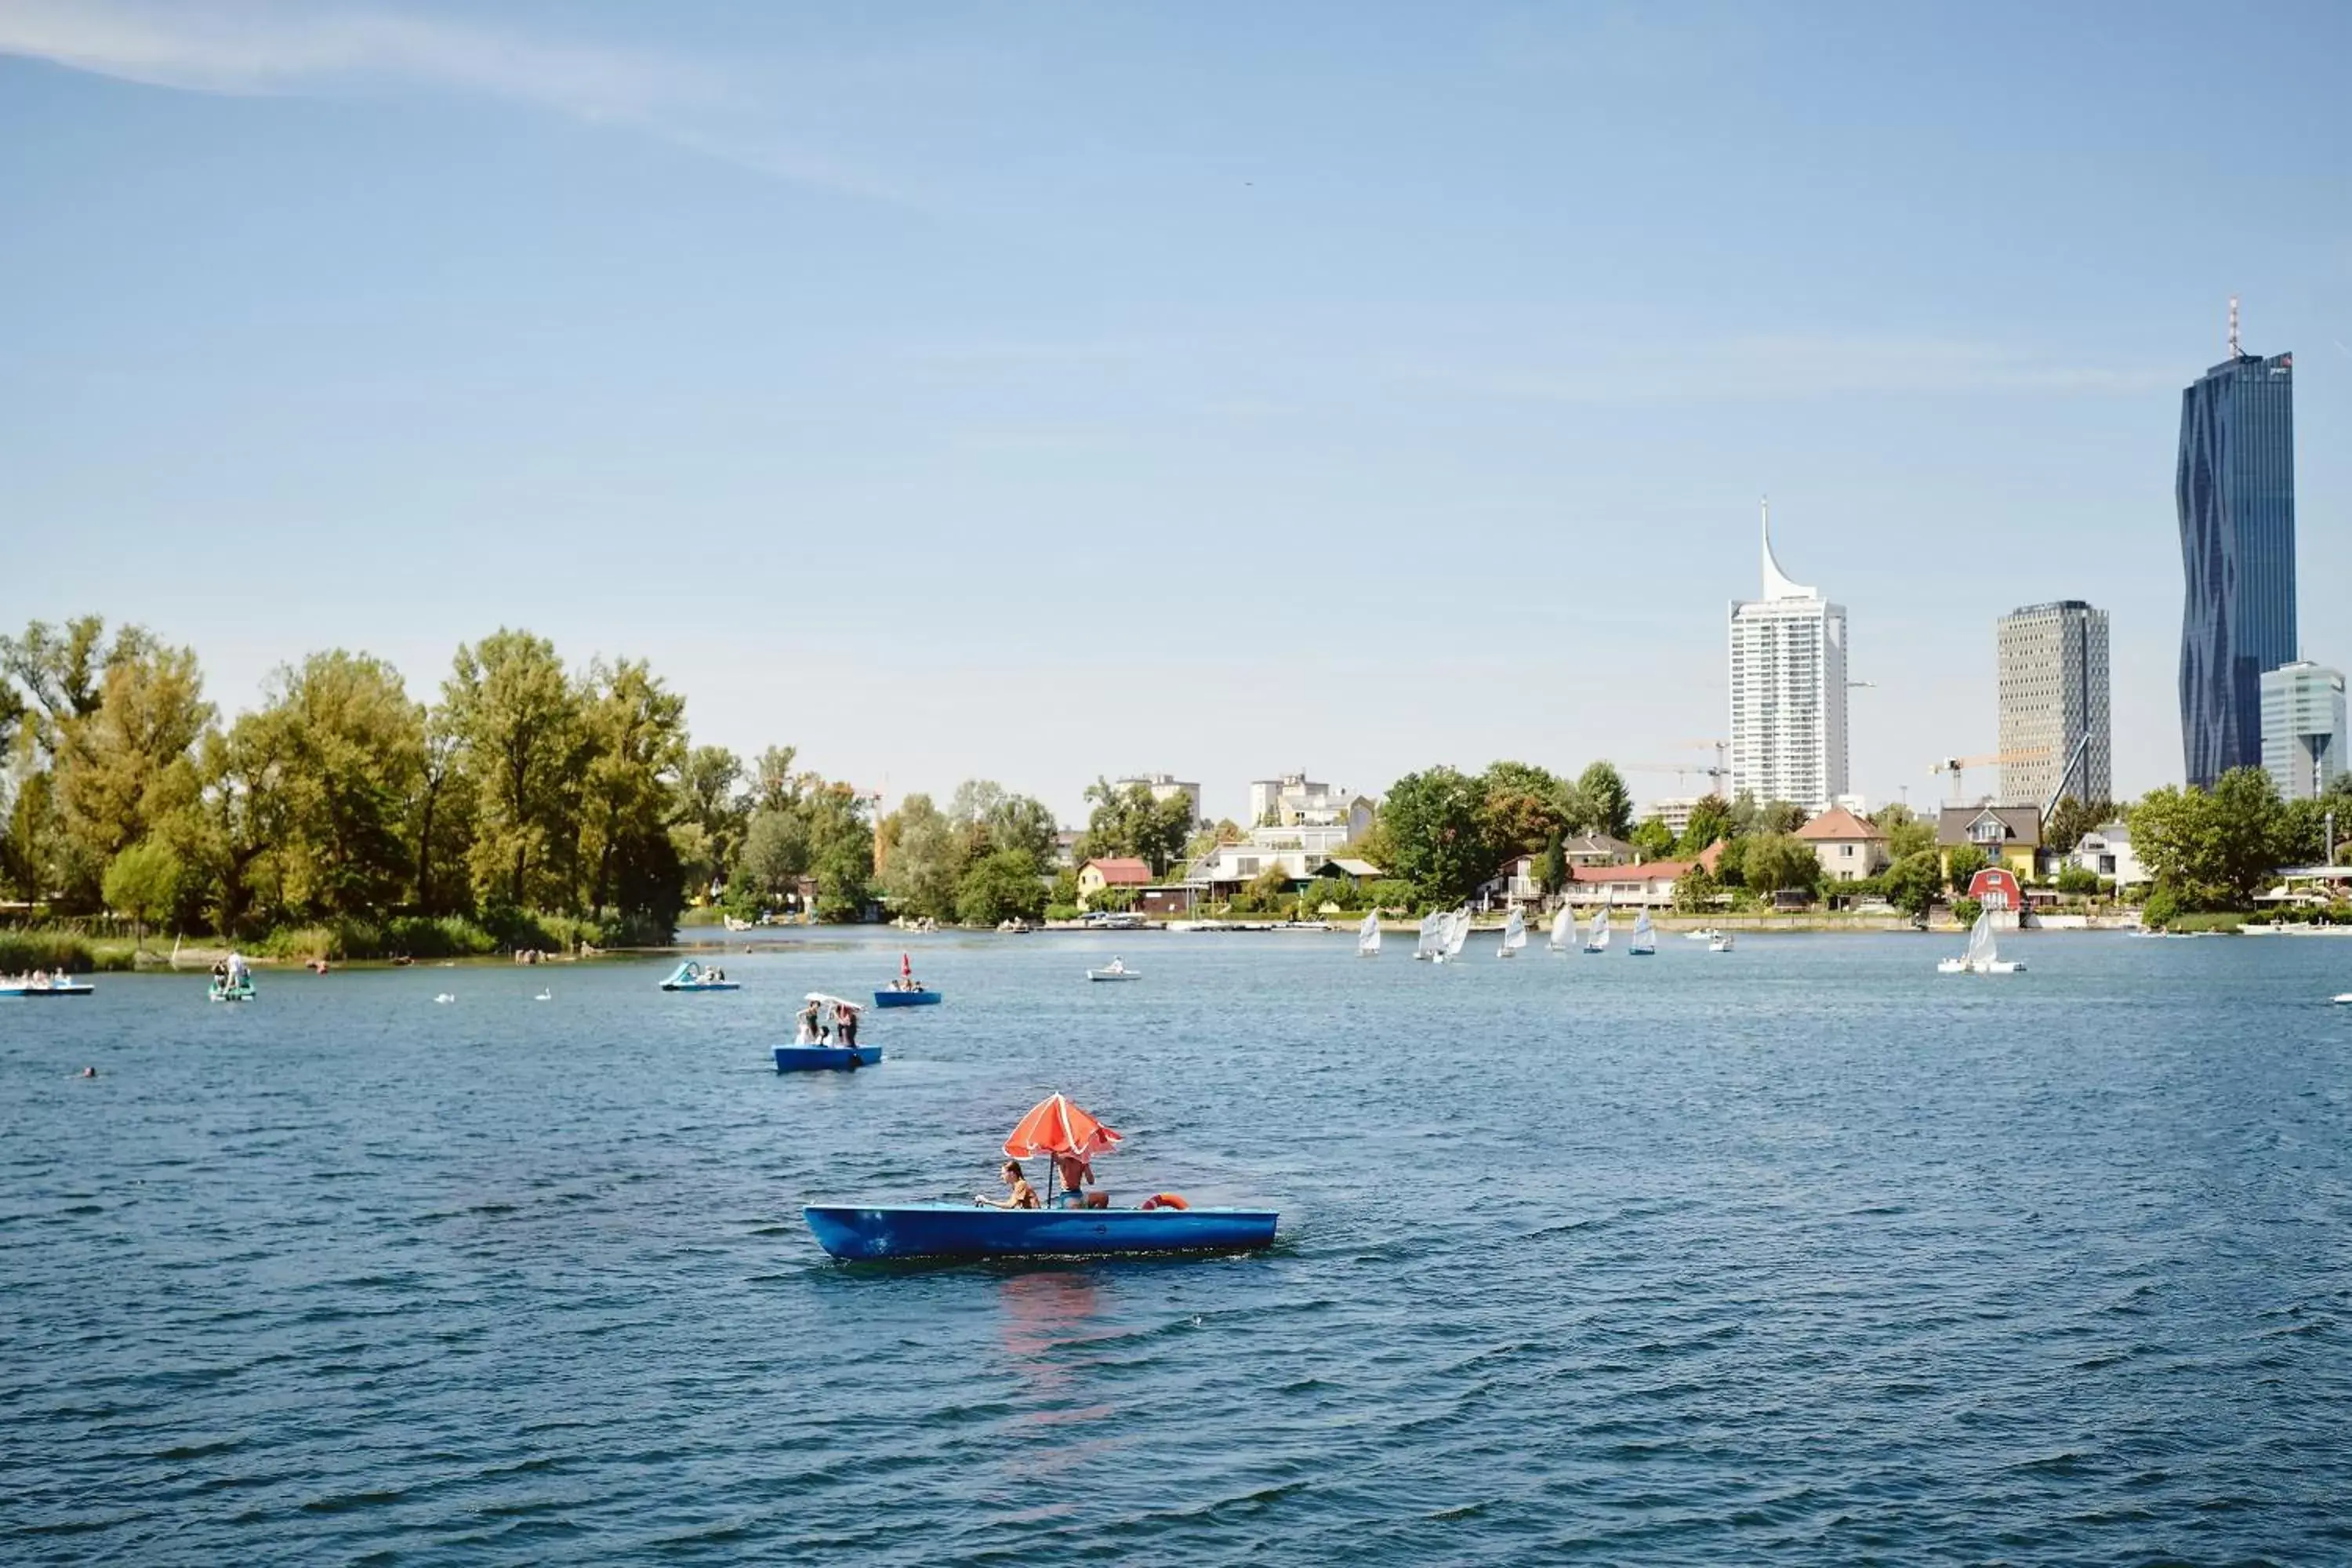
863,1233
825,1058
57,987
692,976
906,998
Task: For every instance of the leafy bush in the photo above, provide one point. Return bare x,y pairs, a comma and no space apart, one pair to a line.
1063,911
2077,881
2163,906
1389,893
24,951
1966,910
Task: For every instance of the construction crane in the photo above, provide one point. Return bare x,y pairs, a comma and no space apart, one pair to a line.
1957,767
1683,771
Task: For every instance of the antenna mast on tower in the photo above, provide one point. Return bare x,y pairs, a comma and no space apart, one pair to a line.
2233,328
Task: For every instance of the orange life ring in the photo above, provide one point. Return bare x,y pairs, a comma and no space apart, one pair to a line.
1166,1201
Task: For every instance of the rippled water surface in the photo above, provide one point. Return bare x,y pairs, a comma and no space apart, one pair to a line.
1798,1254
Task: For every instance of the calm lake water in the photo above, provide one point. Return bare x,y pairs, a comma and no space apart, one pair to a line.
1798,1254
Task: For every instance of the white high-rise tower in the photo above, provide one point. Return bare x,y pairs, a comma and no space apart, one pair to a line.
1787,692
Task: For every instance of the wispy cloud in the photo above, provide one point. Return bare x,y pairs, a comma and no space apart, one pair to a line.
260,48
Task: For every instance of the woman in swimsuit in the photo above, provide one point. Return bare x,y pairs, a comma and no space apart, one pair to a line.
1024,1196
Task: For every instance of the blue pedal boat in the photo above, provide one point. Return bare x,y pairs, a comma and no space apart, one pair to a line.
906,998
60,987
864,1231
692,976
825,1058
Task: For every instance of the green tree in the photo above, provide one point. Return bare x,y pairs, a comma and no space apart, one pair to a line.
1521,807
1710,819
999,887
1913,882
143,884
841,849
2216,848
347,748
1654,838
1551,871
125,766
924,870
2072,818
1966,910
1435,822
516,718
775,858
1696,890
1778,862
633,736
1906,833
1264,892
1964,862
710,815
1609,805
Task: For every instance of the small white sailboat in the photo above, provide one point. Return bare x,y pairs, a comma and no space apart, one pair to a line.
1645,943
1982,955
1563,931
1368,936
1458,934
1116,969
1596,935
1719,942
1704,934
1514,934
1434,928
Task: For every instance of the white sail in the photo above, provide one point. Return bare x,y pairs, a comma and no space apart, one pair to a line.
1434,928
1563,930
1459,934
1368,935
1644,939
1596,936
1515,932
1981,951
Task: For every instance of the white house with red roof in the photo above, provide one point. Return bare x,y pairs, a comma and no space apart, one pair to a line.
1848,847
1116,871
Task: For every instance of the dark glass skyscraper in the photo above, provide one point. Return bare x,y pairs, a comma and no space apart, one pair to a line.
2235,490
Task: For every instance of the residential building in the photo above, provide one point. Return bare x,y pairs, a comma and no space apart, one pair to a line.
1848,847
2303,728
2106,851
2234,487
2008,835
1649,884
1295,801
1675,811
1118,871
1165,786
1787,692
1597,849
2051,664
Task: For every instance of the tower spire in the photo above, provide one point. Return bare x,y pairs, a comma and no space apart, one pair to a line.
2234,353
1777,583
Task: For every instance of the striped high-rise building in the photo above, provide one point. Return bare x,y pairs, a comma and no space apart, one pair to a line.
2052,670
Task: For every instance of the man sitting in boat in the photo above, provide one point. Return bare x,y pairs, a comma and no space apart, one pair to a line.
1076,1175
1024,1196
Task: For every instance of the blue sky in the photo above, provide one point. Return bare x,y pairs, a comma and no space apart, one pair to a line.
1035,392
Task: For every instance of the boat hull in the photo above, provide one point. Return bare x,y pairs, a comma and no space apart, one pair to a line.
705,985
825,1058
907,998
47,990
958,1230
243,994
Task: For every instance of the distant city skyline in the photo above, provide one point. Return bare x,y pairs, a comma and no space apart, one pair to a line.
948,394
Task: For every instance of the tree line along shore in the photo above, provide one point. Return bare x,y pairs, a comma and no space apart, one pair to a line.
534,804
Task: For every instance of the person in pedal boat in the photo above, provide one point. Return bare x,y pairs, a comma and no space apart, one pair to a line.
1024,1196
1077,1174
